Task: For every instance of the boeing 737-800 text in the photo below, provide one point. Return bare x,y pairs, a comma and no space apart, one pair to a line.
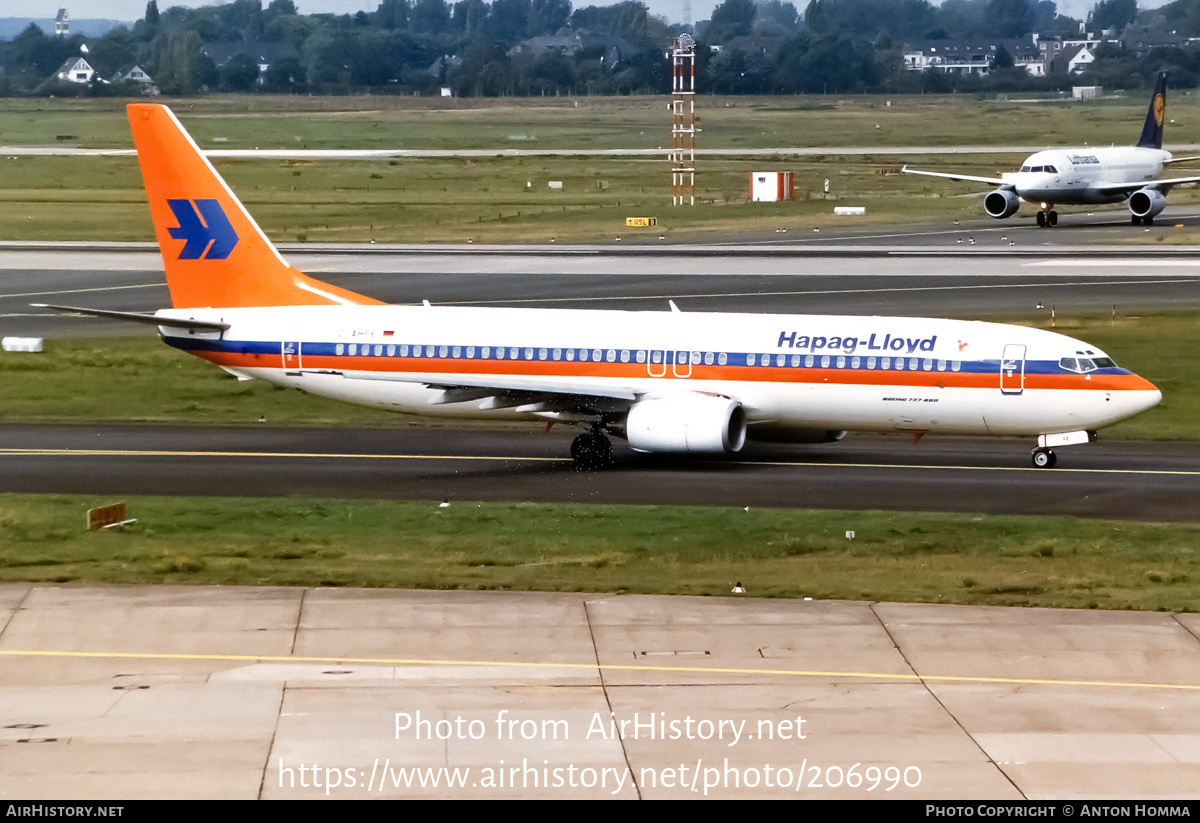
1088,175
667,381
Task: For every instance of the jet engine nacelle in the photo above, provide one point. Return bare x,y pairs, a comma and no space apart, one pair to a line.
688,423
1146,203
1001,203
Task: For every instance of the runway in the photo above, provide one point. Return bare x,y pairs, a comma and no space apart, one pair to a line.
1138,481
984,281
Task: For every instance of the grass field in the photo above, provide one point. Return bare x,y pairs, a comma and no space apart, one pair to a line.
508,199
937,558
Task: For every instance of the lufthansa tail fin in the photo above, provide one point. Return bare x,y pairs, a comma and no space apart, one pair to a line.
214,254
1152,131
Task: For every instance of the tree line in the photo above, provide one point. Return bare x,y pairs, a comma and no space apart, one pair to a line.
478,48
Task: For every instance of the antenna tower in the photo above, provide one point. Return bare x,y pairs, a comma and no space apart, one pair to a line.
683,116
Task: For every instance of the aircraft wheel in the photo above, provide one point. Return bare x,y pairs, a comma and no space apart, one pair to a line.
1044,458
1148,221
1135,219
591,451
1041,218
1052,218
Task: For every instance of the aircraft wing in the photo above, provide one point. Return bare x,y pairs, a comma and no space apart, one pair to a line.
533,395
958,178
1161,185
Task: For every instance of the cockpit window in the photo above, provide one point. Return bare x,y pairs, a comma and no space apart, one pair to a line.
1083,365
1051,170
1026,168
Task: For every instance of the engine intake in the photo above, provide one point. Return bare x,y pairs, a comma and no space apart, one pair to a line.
693,423
1145,203
1001,203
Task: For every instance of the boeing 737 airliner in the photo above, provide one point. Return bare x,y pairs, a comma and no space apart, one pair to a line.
665,381
1089,175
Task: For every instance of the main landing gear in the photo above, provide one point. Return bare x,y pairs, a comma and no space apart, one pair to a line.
1149,221
591,451
1044,458
1047,218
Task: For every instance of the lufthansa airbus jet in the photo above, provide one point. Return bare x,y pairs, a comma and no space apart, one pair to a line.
1088,175
665,381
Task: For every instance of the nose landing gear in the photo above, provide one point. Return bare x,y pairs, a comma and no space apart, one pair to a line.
1047,217
1044,458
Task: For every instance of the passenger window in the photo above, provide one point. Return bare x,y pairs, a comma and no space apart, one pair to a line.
470,352
624,355
558,354
583,355
795,361
926,364
611,355
956,365
456,352
708,358
641,356
749,360
781,360
854,362
543,354
404,350
870,362
841,362
722,358
824,361
339,348
808,361
391,351
513,354
429,351
486,351
596,355
570,354
885,363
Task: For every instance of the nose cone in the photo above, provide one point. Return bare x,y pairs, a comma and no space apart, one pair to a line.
1141,396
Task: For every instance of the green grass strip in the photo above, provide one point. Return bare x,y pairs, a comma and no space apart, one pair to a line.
916,557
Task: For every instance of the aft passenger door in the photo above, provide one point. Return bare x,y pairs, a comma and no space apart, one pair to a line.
1012,369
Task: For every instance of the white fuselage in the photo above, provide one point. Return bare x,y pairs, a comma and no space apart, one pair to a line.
1077,176
786,371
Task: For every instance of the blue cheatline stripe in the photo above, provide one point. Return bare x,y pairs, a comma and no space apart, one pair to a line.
769,360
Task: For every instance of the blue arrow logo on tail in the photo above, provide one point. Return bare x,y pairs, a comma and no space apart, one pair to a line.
208,232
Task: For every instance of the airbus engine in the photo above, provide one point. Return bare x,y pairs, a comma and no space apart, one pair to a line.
697,423
1001,203
1146,203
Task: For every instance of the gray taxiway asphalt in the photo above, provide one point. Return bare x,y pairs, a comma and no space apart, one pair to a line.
1139,481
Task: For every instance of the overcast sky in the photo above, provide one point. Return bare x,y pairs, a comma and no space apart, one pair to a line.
134,9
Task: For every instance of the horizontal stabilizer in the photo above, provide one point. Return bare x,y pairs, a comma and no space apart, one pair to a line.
141,317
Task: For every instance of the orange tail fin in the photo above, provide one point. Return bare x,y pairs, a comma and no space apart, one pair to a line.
214,253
